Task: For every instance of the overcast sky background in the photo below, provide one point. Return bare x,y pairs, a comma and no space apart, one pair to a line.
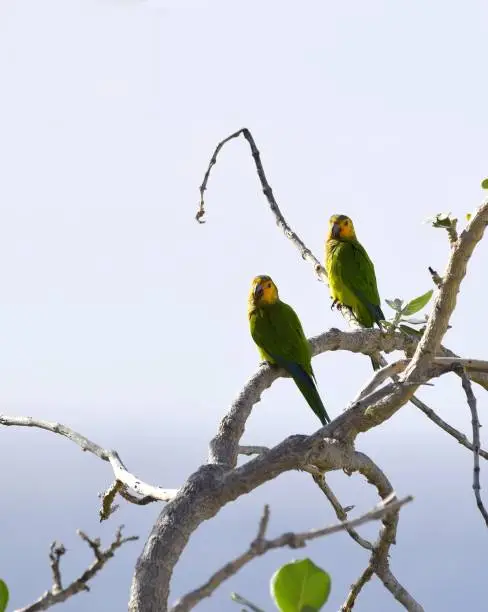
126,320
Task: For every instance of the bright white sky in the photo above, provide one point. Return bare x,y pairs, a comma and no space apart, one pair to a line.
126,320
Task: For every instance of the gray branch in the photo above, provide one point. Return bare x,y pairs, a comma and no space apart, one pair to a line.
452,431
471,399
365,577
122,475
217,483
340,511
281,222
261,545
57,594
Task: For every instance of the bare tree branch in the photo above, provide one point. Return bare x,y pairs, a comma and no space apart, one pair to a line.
379,565
473,365
305,252
57,594
224,446
218,482
452,431
120,471
55,554
471,399
365,577
245,602
260,546
445,300
340,511
380,376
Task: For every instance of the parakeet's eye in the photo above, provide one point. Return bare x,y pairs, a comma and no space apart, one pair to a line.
269,285
346,222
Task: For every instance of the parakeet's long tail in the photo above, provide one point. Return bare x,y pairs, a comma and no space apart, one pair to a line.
309,391
307,386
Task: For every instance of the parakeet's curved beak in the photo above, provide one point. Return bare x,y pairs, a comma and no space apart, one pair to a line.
258,291
336,231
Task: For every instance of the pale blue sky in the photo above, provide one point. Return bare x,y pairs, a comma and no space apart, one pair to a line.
126,320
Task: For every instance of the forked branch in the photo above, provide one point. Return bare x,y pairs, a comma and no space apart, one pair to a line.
123,478
58,594
261,545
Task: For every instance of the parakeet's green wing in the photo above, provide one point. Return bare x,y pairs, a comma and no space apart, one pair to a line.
277,330
352,274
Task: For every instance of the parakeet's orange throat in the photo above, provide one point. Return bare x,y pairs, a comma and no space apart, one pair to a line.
341,228
263,291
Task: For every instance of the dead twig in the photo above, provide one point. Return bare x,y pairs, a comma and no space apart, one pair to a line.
341,514
471,399
261,545
57,594
122,475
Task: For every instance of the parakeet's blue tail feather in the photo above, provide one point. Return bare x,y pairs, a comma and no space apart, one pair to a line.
307,386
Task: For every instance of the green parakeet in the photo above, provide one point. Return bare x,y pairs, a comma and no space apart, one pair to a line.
278,333
352,279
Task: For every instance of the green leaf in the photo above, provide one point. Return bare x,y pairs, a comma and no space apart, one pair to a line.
395,304
442,220
418,303
3,596
300,586
484,183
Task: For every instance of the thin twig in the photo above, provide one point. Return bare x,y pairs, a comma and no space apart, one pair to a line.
348,605
268,192
57,594
111,456
340,511
471,399
380,376
452,431
446,298
477,364
245,602
55,554
304,251
260,546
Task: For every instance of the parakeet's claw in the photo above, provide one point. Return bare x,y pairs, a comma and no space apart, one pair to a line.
336,301
340,306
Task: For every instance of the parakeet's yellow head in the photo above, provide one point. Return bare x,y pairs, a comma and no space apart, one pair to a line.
263,291
341,226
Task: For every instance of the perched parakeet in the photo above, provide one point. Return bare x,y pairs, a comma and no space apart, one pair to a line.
352,279
277,331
